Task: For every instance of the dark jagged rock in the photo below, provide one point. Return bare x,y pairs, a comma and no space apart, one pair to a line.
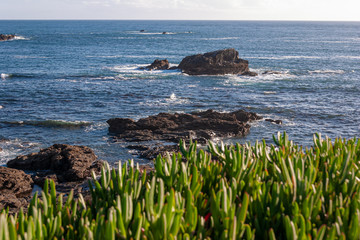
69,163
15,187
200,126
15,181
164,33
142,30
159,65
273,121
219,62
152,151
6,37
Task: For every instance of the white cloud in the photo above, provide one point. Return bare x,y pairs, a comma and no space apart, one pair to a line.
182,9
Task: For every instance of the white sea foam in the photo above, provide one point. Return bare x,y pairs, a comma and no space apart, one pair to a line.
348,57
136,69
240,79
269,92
173,96
4,76
1,107
284,57
151,33
217,39
18,37
106,56
169,101
96,127
327,71
15,147
31,57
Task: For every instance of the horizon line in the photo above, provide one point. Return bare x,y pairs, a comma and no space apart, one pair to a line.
225,20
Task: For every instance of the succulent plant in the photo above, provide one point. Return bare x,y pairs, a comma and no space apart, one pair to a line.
258,191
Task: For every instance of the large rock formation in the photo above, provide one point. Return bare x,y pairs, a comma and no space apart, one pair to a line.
69,163
219,62
200,126
6,37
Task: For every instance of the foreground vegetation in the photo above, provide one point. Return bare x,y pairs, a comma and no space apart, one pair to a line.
237,192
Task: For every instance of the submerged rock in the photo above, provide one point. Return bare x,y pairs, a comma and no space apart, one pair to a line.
69,163
274,121
219,62
6,37
271,72
200,126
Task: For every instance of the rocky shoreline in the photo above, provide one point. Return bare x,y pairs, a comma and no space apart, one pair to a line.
70,166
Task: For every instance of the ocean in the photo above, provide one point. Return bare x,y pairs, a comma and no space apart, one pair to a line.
61,80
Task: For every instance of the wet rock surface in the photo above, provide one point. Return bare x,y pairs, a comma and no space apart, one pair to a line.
199,126
6,37
219,62
69,163
274,121
159,65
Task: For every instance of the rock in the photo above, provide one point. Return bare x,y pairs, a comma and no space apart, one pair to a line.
70,163
6,37
152,151
159,65
13,181
271,72
200,126
13,203
219,62
142,30
164,33
15,189
273,121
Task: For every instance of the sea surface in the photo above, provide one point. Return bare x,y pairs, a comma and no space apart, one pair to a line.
61,80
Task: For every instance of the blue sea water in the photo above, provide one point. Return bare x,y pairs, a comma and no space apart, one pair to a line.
61,80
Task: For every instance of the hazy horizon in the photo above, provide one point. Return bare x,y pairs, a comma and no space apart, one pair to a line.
244,10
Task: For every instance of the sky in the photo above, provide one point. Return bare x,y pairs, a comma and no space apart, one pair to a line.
313,10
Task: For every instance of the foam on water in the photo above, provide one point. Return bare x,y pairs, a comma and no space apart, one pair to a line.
220,38
283,57
14,148
4,76
325,71
18,37
30,57
269,92
153,33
